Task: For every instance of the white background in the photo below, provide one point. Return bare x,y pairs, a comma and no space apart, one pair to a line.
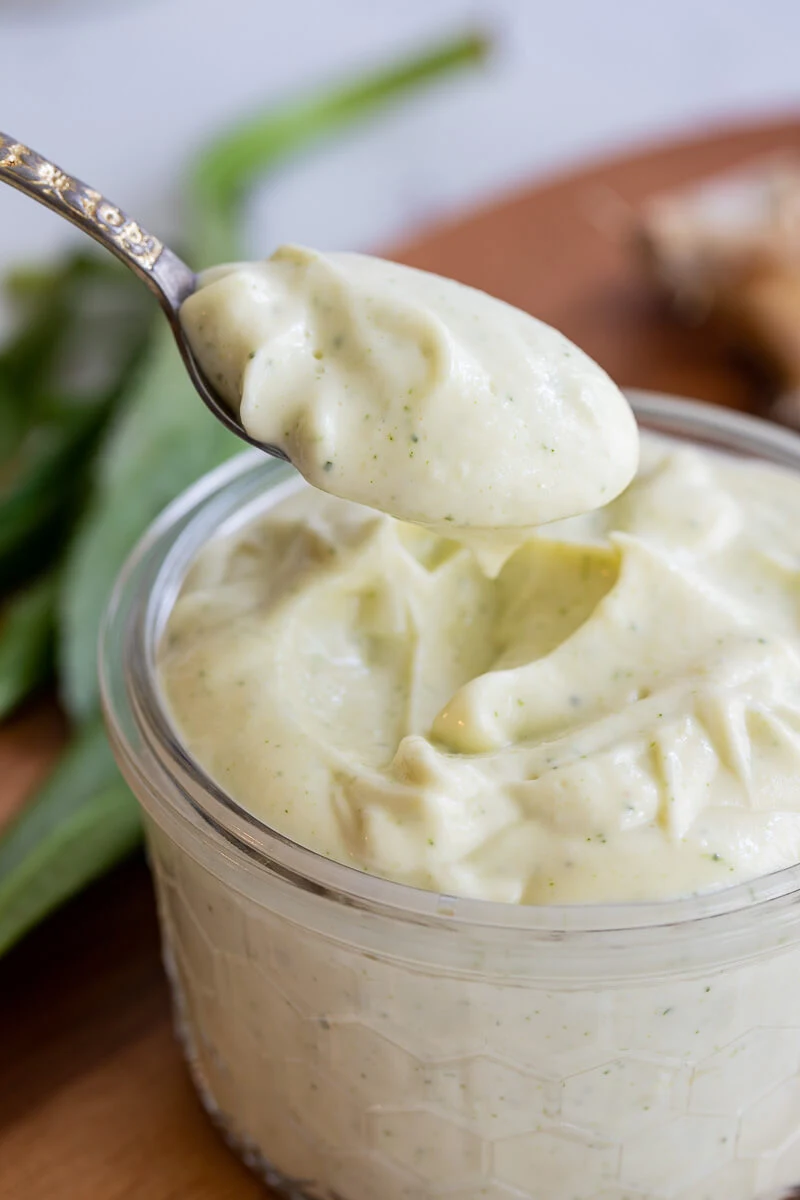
119,91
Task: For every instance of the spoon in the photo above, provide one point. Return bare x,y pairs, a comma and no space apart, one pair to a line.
166,275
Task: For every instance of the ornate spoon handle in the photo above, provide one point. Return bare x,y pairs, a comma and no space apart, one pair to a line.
166,275
156,265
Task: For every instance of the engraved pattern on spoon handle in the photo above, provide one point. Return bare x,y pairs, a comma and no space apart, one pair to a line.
28,171
31,173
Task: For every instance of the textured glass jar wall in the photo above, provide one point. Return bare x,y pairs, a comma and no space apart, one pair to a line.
365,1076
371,1042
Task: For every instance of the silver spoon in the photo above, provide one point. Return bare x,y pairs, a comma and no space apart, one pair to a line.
166,275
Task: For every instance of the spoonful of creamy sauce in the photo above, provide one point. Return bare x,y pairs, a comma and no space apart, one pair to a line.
412,394
400,390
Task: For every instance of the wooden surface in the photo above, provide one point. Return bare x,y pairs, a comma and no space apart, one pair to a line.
94,1102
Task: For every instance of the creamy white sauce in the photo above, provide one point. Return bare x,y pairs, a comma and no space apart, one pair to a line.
412,393
616,716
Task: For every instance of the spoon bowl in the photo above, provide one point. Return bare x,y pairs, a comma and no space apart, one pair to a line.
167,276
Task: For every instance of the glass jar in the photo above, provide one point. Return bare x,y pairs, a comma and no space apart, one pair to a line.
357,1039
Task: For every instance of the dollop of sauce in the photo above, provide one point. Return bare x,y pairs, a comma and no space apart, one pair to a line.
413,394
615,716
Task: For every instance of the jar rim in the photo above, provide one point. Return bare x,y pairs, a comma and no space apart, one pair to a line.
150,750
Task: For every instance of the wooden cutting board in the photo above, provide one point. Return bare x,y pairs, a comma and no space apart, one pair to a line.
94,1101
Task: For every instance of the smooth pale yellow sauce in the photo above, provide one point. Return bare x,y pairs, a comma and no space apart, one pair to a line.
613,713
413,394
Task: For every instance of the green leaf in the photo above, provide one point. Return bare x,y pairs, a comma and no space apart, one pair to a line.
42,312
235,160
60,378
86,302
81,822
39,503
165,439
27,633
